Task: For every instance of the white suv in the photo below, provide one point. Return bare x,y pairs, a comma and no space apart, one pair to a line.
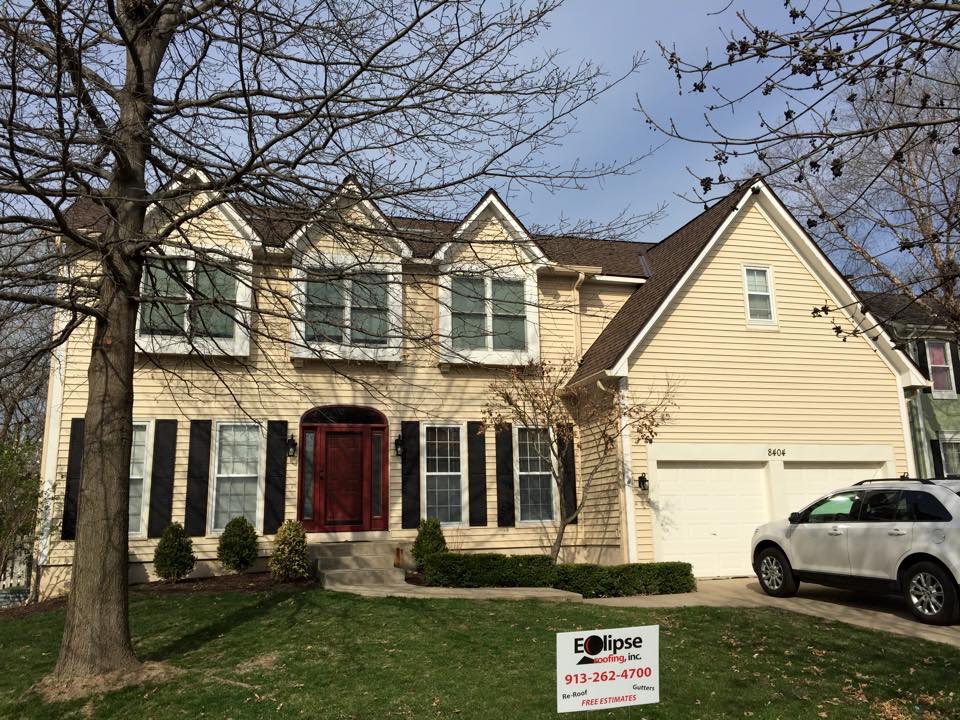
897,535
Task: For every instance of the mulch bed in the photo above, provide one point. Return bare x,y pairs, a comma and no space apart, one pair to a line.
248,582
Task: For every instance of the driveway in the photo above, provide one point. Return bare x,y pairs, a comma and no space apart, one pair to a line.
886,613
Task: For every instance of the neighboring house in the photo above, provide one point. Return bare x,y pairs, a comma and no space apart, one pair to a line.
361,428
935,416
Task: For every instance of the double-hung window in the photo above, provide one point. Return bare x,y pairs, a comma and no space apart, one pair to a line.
350,310
138,470
189,305
941,367
759,294
950,452
443,473
488,314
535,483
237,473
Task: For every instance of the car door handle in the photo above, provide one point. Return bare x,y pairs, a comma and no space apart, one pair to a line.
897,532
835,531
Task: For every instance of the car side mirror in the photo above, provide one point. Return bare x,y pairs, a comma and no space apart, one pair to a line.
794,518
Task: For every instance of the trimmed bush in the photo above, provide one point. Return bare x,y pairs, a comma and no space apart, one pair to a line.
173,559
430,541
493,570
290,560
488,570
237,548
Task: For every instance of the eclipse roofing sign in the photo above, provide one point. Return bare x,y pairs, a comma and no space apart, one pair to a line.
602,669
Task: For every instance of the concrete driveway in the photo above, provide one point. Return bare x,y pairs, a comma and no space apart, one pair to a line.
886,613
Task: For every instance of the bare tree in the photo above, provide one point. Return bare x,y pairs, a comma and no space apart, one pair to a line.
125,122
805,82
549,414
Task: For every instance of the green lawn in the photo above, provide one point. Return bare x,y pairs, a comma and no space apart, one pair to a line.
316,654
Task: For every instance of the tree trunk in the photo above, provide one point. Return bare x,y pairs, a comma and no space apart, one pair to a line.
96,637
558,540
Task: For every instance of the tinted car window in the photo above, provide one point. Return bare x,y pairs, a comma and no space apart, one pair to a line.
836,508
884,506
926,508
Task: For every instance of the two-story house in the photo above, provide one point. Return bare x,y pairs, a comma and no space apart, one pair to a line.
347,390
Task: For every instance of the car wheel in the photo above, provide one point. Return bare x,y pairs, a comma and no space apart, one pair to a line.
931,593
775,574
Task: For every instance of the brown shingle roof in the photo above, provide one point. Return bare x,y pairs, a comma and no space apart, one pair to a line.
668,260
274,226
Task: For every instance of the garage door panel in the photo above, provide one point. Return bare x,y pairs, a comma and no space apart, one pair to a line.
706,510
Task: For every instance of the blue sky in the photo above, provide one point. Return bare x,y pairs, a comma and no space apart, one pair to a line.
610,32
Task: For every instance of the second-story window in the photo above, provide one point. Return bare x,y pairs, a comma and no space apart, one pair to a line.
941,369
353,310
185,297
487,314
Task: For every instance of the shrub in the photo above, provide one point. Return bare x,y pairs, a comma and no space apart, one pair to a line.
237,548
493,570
290,560
173,558
488,570
430,541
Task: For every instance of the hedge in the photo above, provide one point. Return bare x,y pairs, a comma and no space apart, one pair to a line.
493,570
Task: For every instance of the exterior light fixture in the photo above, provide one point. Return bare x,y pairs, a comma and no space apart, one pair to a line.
398,446
642,482
291,447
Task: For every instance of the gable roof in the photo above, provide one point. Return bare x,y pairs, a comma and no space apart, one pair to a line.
893,308
669,260
276,225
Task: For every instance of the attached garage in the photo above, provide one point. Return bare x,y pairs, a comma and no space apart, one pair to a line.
708,498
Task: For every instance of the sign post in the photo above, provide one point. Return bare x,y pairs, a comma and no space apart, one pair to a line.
603,669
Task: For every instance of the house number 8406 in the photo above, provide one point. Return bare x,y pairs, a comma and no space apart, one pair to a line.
776,452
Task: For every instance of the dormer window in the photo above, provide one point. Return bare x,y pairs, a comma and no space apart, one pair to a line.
940,362
489,319
488,314
353,310
188,305
349,315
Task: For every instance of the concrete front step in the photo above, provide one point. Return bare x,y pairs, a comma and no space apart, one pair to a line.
332,579
355,562
354,549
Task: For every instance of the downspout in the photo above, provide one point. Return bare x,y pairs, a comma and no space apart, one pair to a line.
51,449
629,502
577,334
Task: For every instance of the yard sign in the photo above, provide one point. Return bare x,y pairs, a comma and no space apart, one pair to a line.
603,669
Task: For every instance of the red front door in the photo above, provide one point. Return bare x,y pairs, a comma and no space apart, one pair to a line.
343,478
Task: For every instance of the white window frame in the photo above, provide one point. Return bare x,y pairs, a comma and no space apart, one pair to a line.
950,394
300,347
261,474
147,476
237,346
773,322
555,496
464,465
948,439
487,355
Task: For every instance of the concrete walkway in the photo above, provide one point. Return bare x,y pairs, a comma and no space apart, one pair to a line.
877,612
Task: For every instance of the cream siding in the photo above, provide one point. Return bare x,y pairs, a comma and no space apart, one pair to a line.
269,385
796,383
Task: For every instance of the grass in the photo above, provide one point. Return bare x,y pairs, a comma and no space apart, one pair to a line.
316,654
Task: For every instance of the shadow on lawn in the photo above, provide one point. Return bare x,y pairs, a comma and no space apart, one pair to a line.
198,638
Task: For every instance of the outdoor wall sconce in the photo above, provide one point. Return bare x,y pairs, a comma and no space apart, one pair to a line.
398,446
642,482
291,447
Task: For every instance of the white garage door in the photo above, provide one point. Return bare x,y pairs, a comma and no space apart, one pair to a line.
705,511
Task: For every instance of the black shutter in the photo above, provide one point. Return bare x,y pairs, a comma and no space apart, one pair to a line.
937,458
922,358
161,477
198,477
410,474
477,473
955,361
506,513
276,480
568,481
71,493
